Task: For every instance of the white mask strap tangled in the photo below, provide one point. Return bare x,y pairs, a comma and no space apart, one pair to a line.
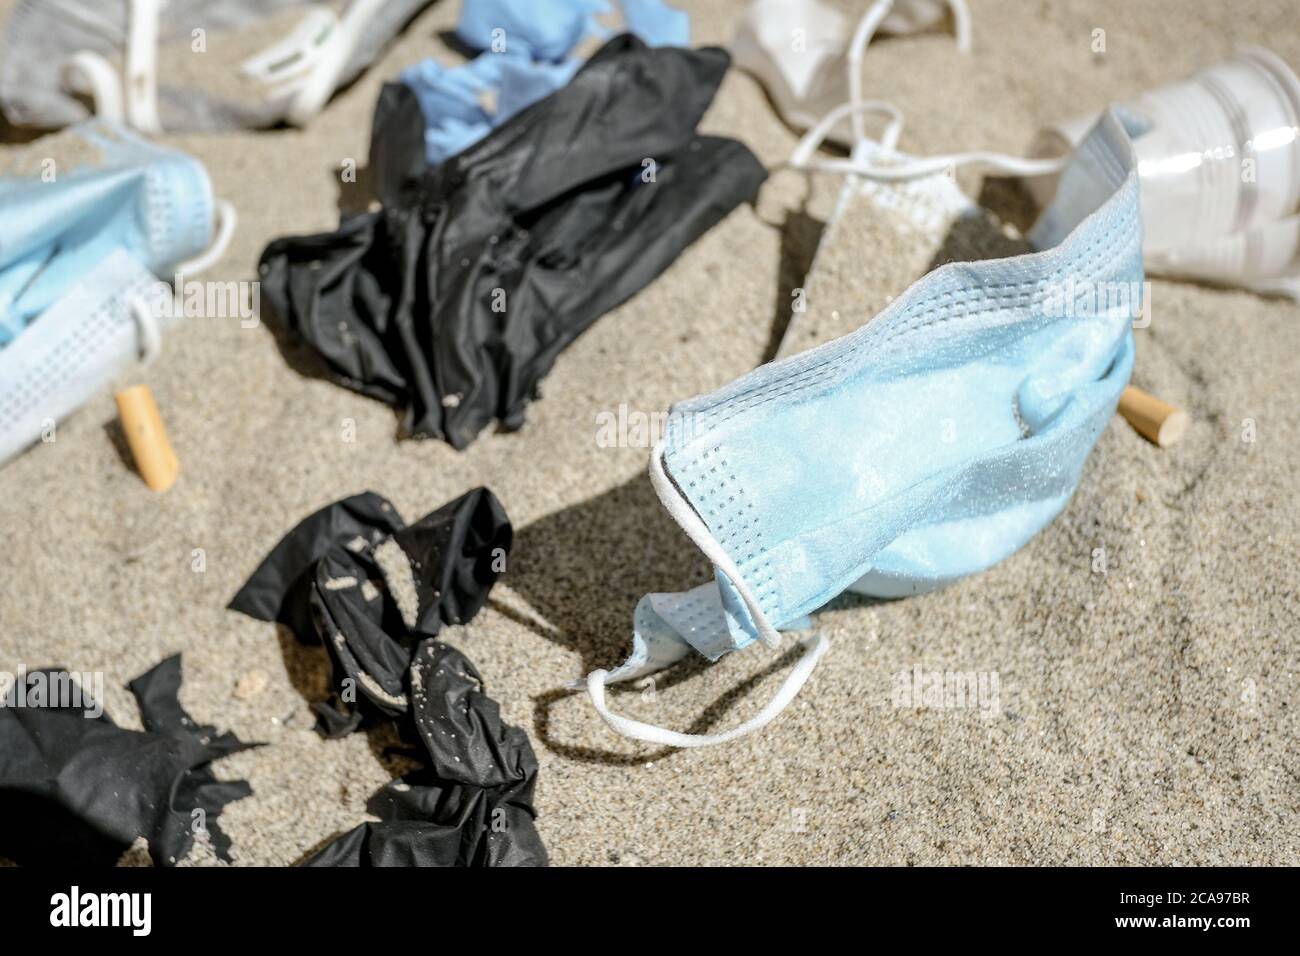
815,644
901,166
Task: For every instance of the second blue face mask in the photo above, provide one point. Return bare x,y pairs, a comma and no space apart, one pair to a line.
154,203
98,216
930,444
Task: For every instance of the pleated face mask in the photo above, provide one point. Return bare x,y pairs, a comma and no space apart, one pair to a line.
928,445
93,216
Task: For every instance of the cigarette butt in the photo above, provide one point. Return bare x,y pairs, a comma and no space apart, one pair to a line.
1158,422
153,453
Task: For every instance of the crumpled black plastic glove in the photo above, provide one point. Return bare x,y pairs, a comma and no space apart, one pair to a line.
375,591
454,301
76,789
472,805
356,578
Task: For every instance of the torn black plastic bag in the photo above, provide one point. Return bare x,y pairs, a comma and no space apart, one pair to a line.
472,805
78,789
356,578
453,301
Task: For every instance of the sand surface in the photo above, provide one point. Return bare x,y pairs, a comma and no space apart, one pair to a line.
1145,715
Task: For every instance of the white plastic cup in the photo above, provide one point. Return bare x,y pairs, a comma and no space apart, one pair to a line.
1266,259
1219,162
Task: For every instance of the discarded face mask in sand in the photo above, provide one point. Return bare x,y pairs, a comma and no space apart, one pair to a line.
1219,161
928,445
78,789
94,216
527,50
375,591
359,580
471,804
172,65
454,301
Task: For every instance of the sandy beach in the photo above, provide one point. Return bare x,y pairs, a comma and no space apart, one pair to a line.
1147,715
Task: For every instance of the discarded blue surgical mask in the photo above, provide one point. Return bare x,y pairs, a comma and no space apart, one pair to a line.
928,445
63,218
99,215
527,53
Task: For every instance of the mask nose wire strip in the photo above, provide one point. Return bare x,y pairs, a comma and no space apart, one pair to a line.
816,645
904,167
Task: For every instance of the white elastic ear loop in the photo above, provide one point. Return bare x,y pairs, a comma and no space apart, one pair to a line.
867,28
697,531
147,325
961,24
226,221
135,100
142,66
91,75
816,644
804,156
903,166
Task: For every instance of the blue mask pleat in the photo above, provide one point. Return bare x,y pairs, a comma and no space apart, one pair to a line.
153,203
937,439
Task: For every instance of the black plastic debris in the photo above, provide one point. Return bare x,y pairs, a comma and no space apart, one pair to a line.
77,789
280,589
376,591
472,805
453,301
356,578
